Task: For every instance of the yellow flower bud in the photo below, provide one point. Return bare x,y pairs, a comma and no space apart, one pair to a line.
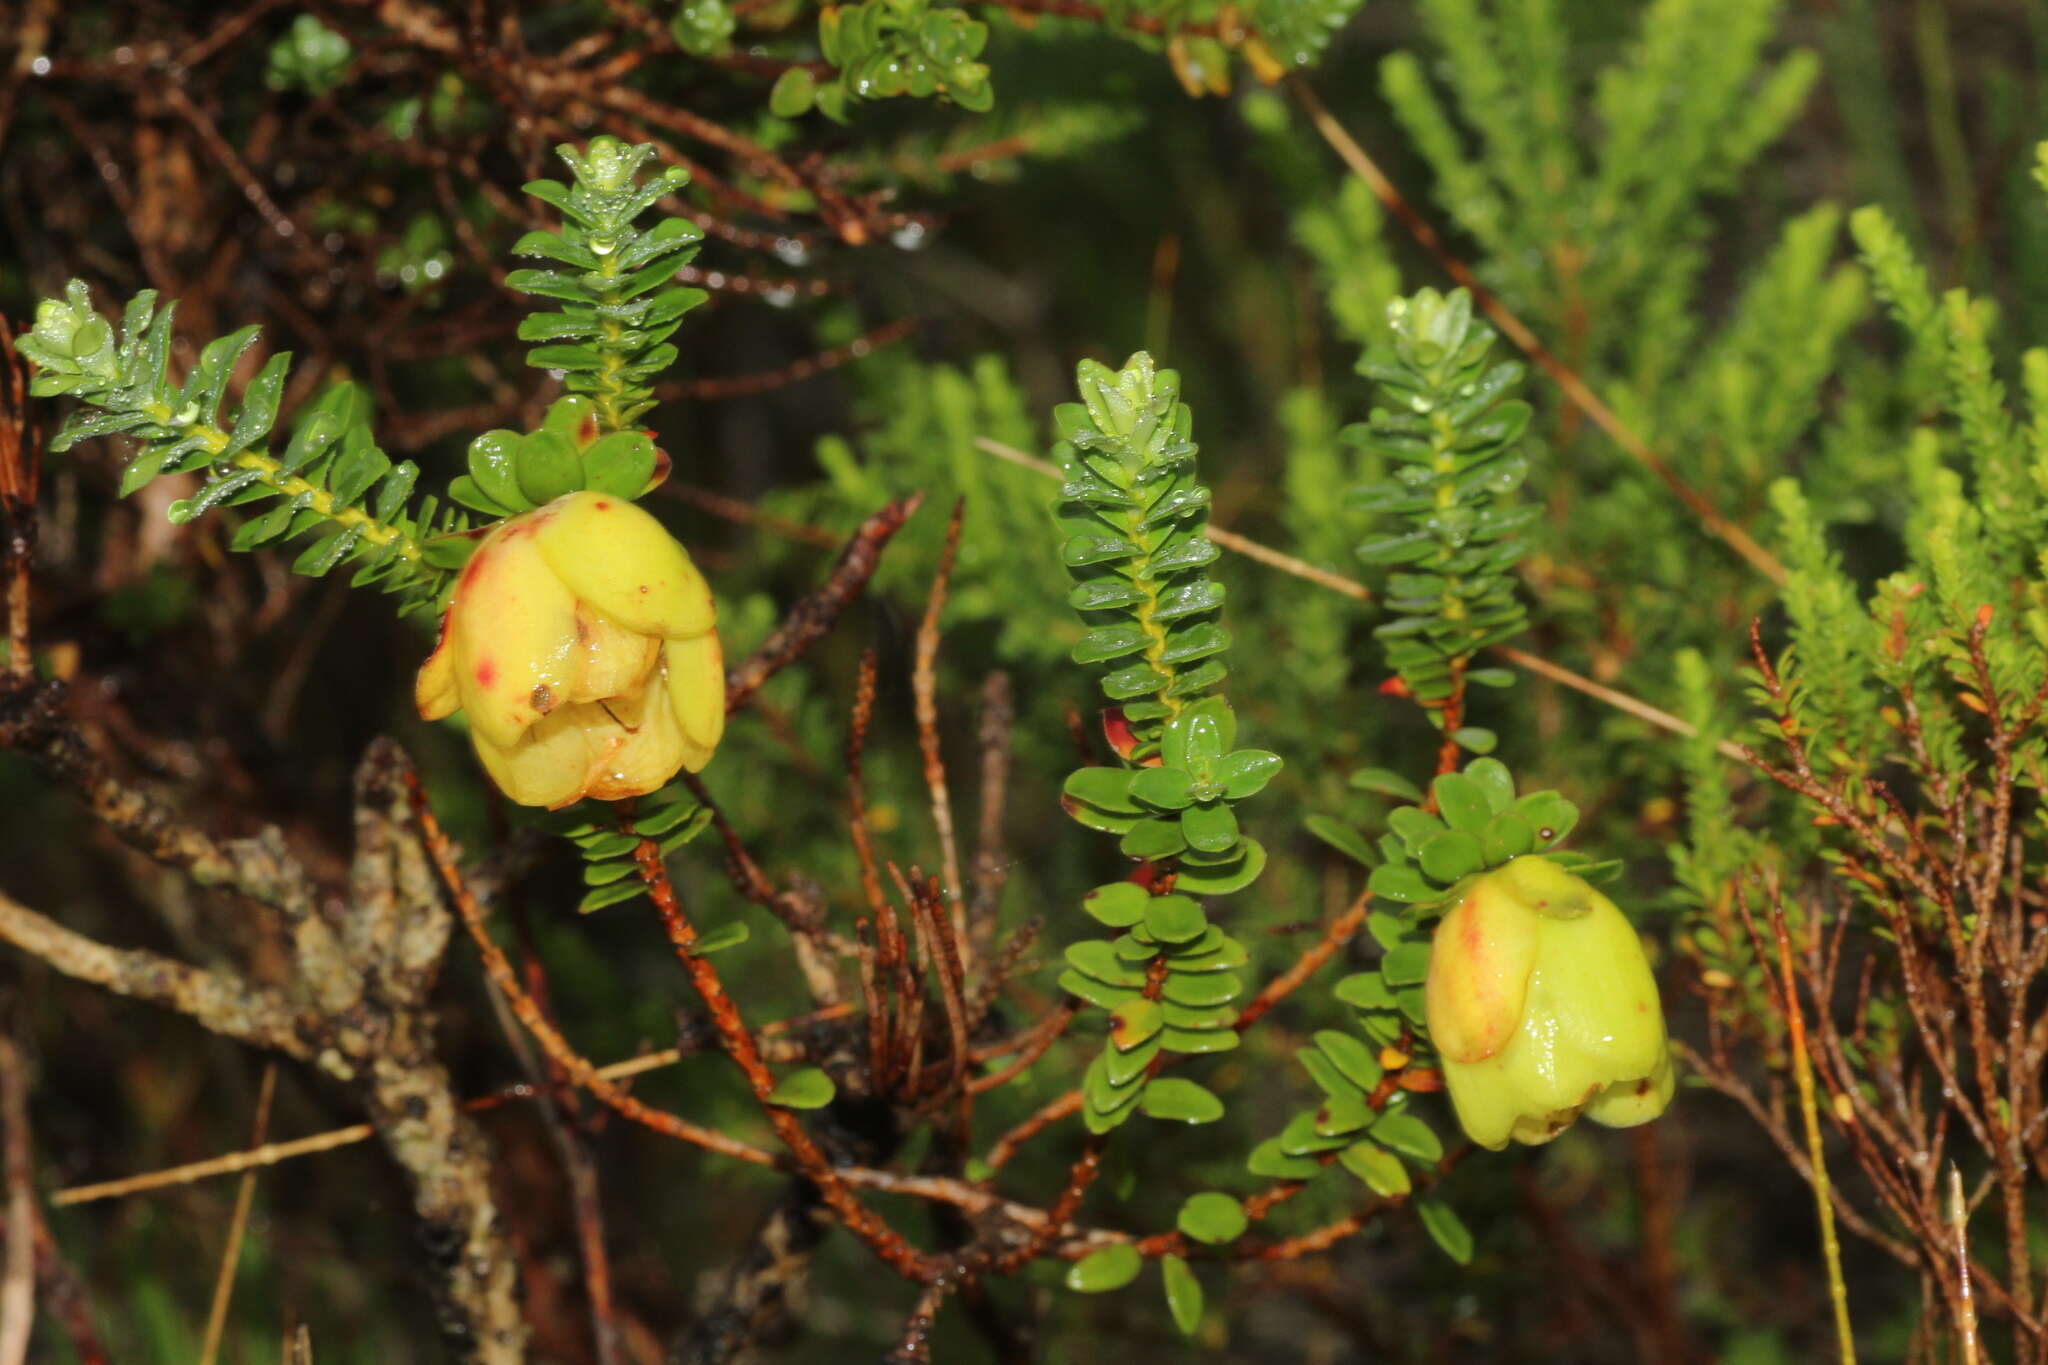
1542,1006
582,645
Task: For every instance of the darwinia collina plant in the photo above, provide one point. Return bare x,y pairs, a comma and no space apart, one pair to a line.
578,645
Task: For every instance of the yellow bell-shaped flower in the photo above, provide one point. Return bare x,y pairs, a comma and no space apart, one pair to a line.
1542,1006
581,644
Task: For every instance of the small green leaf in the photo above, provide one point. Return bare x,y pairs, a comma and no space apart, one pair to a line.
1112,1267
1210,826
1201,956
1245,772
1351,1057
1386,782
1269,1161
1365,991
597,898
1327,1077
1175,1097
1341,837
794,92
1494,778
1105,1096
1165,788
1095,958
1406,965
1160,838
1508,835
1110,642
1451,855
1300,1138
1221,879
1409,1136
664,818
723,937
1399,882
1174,919
1379,1168
1212,1217
1343,1113
806,1088
493,469
1198,1040
1201,733
1475,739
1448,1230
1121,1067
1183,1293
1200,989
1118,905
1549,814
1136,950
1414,825
547,467
1104,788
1462,802
620,464
1135,1022
1095,992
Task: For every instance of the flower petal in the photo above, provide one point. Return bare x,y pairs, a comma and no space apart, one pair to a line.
696,687
513,624
434,692
1479,967
547,766
622,561
614,661
635,746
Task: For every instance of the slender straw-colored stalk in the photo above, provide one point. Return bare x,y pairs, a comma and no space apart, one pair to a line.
1966,1301
231,1254
1802,1075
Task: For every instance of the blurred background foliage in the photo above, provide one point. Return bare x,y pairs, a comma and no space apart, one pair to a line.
1660,190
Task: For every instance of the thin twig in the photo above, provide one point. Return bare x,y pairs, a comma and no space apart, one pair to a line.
740,1046
809,619
20,476
1357,591
743,385
1802,1073
231,1253
18,1282
991,868
577,1067
924,687
270,1154
1280,987
1966,1304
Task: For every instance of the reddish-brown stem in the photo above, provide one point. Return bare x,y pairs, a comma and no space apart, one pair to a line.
1280,987
924,688
809,619
1043,1035
740,1046
20,474
744,385
559,1050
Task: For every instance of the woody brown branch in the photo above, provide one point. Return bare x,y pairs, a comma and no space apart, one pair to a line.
356,1006
813,616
